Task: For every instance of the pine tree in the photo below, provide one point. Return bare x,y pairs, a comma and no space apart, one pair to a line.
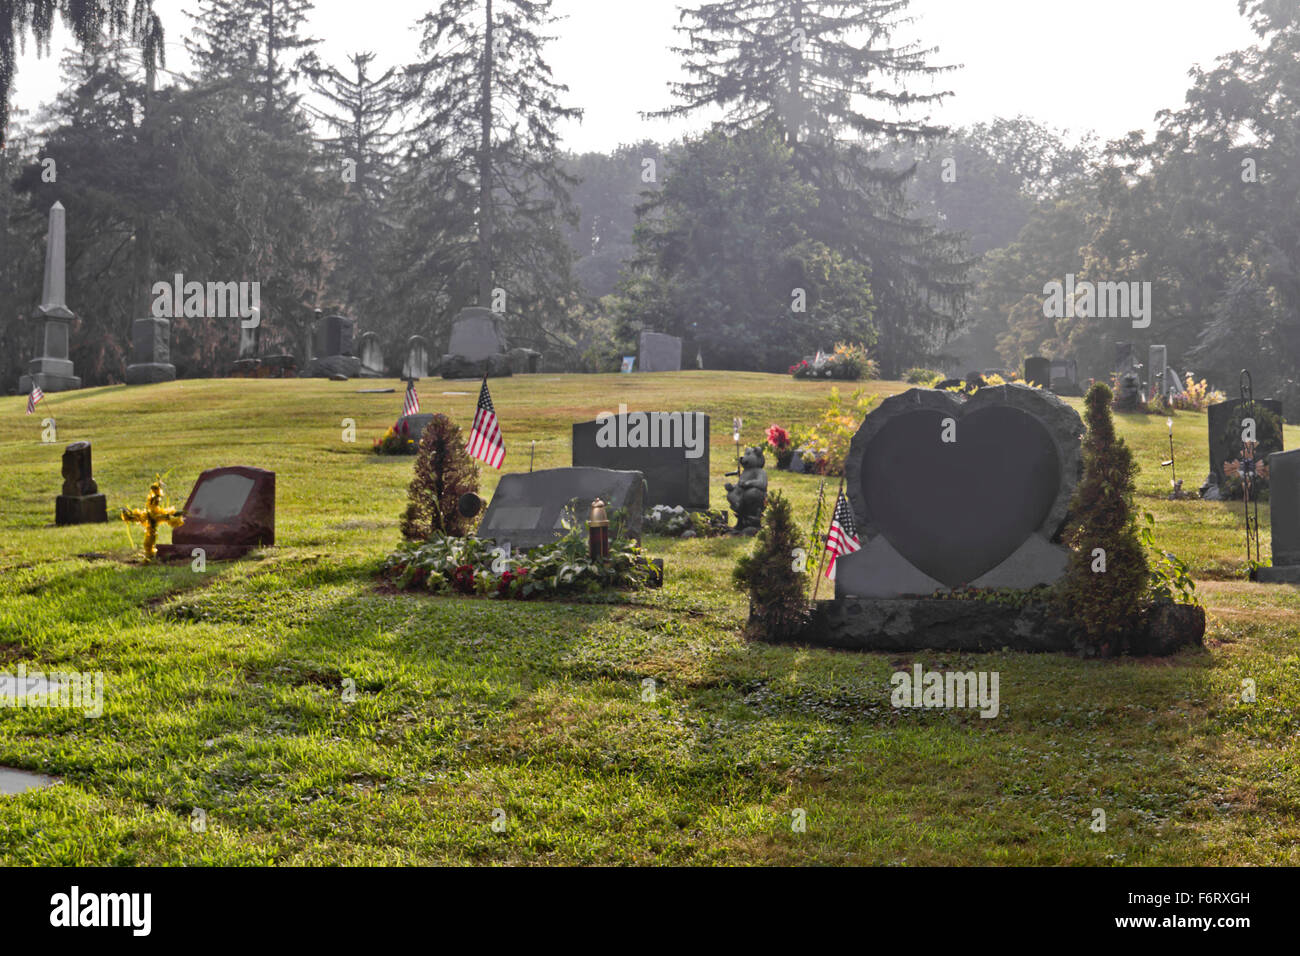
807,66
444,472
89,21
778,602
484,154
362,151
1105,582
256,47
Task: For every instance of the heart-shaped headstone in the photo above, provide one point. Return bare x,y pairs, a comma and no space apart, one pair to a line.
957,509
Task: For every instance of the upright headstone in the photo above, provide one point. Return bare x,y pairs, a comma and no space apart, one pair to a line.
150,352
1157,365
1064,377
670,448
527,509
1284,501
658,352
249,340
371,354
52,368
980,502
1038,371
229,511
333,348
476,345
417,358
81,502
1218,417
1125,358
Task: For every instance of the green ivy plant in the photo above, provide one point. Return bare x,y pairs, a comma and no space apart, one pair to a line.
1171,576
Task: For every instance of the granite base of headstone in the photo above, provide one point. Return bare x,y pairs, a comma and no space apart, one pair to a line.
1284,518
658,352
80,502
670,448
985,509
150,352
528,509
229,512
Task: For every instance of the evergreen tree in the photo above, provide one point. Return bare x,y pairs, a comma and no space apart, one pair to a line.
778,594
361,148
257,48
1105,582
89,21
444,471
484,155
809,66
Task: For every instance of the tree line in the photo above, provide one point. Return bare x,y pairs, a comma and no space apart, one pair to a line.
812,211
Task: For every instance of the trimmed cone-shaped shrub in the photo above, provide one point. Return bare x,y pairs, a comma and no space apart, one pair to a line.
778,606
444,471
1104,605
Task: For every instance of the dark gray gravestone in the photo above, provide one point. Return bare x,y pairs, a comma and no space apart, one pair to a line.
413,426
1124,356
229,511
1217,418
333,348
81,502
670,448
527,508
984,510
1038,371
1064,377
1284,501
659,353
150,352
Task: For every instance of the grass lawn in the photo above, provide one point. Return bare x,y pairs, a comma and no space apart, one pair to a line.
223,688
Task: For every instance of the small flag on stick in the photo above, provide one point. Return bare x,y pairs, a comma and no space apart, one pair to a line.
485,441
842,537
412,404
33,398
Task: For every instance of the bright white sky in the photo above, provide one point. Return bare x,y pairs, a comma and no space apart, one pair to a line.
1103,65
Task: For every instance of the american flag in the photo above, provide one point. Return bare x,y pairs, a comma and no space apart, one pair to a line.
485,442
842,537
412,403
33,398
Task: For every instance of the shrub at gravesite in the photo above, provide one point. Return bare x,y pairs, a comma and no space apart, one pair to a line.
443,472
468,565
847,363
1106,605
778,606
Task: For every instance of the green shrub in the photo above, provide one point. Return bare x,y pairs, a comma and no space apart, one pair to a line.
1106,606
923,376
778,605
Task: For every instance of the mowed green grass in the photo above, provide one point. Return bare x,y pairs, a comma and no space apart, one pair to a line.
224,688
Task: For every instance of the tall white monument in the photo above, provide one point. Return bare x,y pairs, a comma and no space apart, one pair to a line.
52,369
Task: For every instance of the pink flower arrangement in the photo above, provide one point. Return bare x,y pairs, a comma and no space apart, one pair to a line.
778,437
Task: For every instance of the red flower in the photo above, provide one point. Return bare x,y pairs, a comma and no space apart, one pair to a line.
462,579
778,437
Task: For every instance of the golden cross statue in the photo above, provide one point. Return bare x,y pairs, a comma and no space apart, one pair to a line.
155,512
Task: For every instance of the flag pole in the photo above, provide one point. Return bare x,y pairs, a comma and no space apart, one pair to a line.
821,560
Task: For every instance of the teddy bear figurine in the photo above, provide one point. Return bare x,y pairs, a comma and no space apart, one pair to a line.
748,496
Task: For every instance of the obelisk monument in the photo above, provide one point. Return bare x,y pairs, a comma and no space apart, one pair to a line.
52,369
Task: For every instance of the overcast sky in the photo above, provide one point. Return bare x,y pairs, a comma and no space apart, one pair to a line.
1102,65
